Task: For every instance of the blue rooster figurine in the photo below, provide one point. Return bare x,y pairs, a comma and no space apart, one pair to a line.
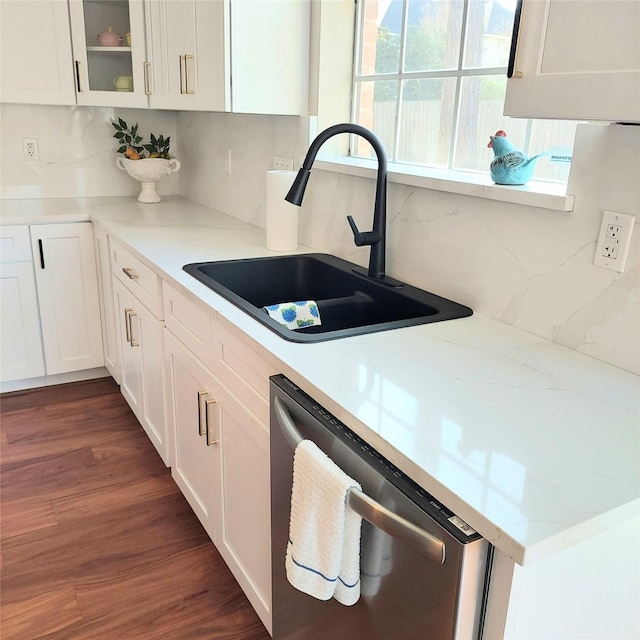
510,166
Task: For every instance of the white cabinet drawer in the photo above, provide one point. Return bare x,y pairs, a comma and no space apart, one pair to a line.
15,243
189,322
141,280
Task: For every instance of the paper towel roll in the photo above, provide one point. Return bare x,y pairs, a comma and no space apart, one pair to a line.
282,216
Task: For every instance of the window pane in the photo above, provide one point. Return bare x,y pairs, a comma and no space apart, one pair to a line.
376,110
488,37
433,34
481,104
556,137
426,121
379,46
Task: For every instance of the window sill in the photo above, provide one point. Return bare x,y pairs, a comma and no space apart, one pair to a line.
545,195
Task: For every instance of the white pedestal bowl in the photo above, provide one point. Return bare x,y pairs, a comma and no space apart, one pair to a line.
148,171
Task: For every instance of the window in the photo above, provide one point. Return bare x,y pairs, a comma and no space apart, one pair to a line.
430,81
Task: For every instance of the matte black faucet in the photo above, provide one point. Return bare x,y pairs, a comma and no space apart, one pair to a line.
375,238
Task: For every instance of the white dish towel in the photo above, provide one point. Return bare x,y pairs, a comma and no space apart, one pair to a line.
323,553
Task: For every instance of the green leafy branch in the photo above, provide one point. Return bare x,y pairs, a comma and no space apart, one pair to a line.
130,142
158,147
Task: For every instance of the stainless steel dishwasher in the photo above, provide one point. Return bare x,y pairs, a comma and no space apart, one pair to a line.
423,570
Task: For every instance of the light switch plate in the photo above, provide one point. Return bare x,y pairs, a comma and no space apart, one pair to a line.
614,240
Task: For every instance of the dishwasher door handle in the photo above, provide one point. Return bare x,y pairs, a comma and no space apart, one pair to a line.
371,510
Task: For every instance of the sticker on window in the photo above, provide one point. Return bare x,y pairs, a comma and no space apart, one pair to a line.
561,154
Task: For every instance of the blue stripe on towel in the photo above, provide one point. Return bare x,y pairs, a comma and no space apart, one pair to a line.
304,566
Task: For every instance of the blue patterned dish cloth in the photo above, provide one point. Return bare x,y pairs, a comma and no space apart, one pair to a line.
295,315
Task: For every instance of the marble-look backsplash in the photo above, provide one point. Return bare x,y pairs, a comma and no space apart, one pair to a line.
532,268
77,151
228,155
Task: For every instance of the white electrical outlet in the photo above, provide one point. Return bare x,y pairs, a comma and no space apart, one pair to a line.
282,164
614,240
30,148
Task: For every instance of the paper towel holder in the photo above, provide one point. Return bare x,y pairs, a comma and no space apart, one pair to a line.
281,216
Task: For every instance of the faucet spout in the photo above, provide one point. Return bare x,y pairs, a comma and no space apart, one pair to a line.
376,238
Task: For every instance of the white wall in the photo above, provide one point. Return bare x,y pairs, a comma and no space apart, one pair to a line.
524,266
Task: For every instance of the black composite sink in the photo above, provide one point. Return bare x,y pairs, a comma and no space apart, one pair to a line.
349,303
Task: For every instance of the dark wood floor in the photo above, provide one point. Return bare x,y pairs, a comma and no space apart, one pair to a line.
97,540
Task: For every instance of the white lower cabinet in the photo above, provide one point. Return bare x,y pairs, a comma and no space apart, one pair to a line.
141,383
245,540
21,354
50,307
20,339
221,447
191,410
67,284
107,314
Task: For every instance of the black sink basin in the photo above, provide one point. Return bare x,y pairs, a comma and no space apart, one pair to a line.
349,303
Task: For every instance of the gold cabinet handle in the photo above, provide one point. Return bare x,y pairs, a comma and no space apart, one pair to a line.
127,324
147,87
182,74
210,409
202,409
129,313
187,57
129,272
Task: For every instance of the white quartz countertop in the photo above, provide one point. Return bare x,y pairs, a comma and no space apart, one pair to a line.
533,445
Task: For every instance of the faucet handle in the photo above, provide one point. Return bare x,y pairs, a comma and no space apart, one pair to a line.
363,238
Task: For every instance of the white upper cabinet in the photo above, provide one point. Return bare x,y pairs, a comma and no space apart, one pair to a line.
577,60
187,50
270,56
35,41
244,56
109,52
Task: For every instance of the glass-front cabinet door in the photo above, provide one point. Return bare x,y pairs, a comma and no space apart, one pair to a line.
109,52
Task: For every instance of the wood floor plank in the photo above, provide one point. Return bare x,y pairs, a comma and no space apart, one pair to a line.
84,505
16,400
97,541
26,515
158,609
41,615
99,546
99,418
54,474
